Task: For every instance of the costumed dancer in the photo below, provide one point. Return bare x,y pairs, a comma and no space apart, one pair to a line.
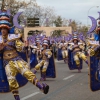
94,52
77,47
10,45
62,47
38,49
35,52
44,64
53,47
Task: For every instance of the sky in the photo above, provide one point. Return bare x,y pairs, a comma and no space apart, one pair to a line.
78,10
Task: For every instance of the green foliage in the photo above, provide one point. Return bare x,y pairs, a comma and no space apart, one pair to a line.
77,26
83,29
57,33
58,22
74,25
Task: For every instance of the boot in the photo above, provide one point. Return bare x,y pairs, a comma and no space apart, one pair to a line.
16,94
79,71
35,71
42,86
87,62
66,60
16,97
43,77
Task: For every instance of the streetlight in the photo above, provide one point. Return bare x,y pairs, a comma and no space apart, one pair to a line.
89,11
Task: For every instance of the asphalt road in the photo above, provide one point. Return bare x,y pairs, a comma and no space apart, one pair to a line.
69,85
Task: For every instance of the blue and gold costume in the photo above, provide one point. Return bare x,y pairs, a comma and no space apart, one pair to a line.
46,64
36,50
62,51
76,47
12,62
94,52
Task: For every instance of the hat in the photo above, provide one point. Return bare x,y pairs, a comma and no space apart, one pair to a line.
4,20
46,38
45,42
75,33
75,37
37,39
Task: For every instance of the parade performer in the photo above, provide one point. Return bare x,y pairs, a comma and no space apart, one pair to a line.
93,45
10,45
53,47
46,64
62,51
35,52
77,47
38,49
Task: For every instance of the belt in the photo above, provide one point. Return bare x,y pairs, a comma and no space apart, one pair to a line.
10,54
75,51
44,57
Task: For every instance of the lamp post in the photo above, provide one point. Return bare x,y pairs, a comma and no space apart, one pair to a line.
89,11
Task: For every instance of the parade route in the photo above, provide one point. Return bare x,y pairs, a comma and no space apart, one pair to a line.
31,95
49,51
68,77
69,85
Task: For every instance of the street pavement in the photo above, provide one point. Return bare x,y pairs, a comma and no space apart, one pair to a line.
69,85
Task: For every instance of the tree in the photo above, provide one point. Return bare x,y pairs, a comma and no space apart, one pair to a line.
48,16
83,29
15,5
73,24
45,14
57,33
65,22
58,22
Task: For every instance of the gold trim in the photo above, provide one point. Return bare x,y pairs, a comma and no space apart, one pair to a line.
10,54
11,91
15,38
12,39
